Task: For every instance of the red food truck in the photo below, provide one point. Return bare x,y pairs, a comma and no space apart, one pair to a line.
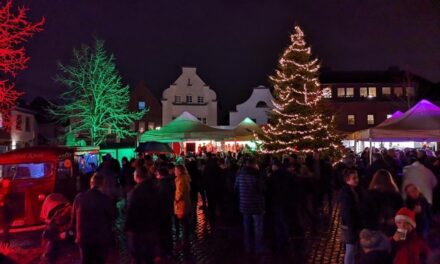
28,175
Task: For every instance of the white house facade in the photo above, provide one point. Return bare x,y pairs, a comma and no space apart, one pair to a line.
22,132
256,107
189,93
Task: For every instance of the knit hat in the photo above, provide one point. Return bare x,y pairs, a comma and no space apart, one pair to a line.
371,239
406,215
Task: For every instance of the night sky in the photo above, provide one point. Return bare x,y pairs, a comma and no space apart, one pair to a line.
235,44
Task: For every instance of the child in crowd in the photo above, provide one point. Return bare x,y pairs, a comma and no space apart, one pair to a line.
407,246
416,202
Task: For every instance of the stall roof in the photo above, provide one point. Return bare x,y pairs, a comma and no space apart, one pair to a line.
420,123
185,127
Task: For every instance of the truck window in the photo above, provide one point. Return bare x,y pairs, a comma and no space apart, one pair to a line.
26,171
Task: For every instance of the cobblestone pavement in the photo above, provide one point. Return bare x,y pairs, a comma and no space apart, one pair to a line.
222,244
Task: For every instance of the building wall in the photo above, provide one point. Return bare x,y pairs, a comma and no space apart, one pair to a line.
153,118
250,109
189,85
23,128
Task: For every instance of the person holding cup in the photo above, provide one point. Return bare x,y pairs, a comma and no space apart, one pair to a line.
407,246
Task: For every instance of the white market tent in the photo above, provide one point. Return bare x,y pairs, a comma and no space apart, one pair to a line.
420,123
184,127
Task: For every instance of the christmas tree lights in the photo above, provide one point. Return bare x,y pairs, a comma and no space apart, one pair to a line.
300,121
96,104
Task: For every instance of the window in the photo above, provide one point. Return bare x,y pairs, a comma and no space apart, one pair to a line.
351,120
26,170
369,92
27,124
341,92
386,91
177,99
398,91
18,122
261,104
141,105
410,91
346,92
141,126
189,99
327,92
370,119
363,92
204,120
200,100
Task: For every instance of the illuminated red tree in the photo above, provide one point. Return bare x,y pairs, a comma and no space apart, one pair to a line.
15,30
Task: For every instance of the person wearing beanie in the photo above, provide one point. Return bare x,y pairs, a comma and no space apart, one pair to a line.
376,247
407,246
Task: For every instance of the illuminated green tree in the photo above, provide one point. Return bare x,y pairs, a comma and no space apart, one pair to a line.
96,102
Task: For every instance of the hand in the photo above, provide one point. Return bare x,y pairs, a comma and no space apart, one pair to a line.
396,236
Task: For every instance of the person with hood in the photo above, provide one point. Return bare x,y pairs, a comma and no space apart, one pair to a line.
250,187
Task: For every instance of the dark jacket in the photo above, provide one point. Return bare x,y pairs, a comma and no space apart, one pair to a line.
379,207
166,190
350,212
376,257
424,218
250,187
278,185
142,208
93,215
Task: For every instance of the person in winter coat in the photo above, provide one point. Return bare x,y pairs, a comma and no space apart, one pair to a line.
250,187
376,247
166,190
380,203
407,246
182,201
142,217
417,203
93,216
349,198
420,176
213,178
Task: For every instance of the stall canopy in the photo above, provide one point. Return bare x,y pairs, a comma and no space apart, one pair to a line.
420,123
183,128
246,129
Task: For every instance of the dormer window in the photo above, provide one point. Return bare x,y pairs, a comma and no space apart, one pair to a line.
189,82
261,104
141,105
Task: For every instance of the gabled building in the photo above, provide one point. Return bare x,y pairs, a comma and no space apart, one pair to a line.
189,93
142,98
363,99
256,107
22,133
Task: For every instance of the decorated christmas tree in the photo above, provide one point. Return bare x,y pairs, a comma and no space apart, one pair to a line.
300,121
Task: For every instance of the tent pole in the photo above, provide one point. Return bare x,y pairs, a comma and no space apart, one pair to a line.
371,152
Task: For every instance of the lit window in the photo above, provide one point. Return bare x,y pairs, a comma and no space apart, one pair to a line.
386,90
141,105
363,92
177,99
341,92
389,115
189,99
367,92
349,92
150,125
410,91
398,91
141,126
371,92
200,99
351,120
370,119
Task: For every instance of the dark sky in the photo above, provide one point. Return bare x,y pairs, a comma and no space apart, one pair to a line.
235,44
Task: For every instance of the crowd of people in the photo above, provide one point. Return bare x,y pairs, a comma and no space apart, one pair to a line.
386,206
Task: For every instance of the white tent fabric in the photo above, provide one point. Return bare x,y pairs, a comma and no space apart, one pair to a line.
420,123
